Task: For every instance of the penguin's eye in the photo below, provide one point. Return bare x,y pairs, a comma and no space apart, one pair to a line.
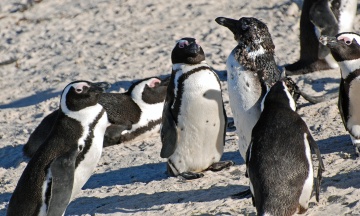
348,42
78,90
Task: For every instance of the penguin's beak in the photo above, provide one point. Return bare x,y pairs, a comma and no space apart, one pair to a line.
328,41
227,22
194,48
100,86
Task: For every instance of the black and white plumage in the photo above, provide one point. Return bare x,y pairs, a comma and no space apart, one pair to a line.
321,17
278,161
194,119
134,115
251,70
65,161
345,48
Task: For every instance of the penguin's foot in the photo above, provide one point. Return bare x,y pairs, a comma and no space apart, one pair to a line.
304,67
191,175
220,165
357,149
242,194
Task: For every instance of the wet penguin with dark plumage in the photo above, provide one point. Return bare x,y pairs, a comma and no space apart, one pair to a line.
345,48
62,165
278,161
194,120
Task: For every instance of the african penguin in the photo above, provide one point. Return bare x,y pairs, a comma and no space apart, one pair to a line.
279,161
62,165
251,70
321,17
194,119
135,114
345,48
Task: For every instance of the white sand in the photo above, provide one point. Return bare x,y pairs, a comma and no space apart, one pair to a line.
56,42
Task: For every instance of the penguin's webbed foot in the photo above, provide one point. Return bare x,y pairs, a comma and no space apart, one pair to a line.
191,175
220,165
242,194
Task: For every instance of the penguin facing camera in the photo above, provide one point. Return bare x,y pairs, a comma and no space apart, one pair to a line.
67,158
345,48
278,161
194,120
136,114
321,17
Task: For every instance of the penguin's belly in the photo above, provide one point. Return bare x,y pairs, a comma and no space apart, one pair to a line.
353,123
86,167
245,96
201,124
347,15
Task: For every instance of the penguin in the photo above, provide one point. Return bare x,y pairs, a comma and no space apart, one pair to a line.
345,48
321,17
278,161
194,119
251,71
136,115
62,165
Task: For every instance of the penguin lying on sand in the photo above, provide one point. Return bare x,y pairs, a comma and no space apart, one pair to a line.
65,161
136,114
194,119
278,161
251,71
321,17
345,48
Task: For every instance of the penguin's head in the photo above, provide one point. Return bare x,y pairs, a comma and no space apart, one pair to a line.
283,93
344,46
187,51
81,94
249,32
149,91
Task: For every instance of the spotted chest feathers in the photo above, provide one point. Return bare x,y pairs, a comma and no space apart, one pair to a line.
200,120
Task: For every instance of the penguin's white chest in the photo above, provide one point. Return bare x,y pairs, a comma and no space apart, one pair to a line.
86,167
245,98
347,15
201,123
353,123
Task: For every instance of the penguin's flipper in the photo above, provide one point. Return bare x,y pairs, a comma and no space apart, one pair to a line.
40,134
113,133
168,132
62,170
325,22
318,99
321,168
343,103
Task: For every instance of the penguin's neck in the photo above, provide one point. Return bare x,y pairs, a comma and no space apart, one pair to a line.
184,68
348,66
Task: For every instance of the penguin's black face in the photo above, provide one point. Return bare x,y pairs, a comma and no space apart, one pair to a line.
81,94
149,91
344,46
187,51
249,32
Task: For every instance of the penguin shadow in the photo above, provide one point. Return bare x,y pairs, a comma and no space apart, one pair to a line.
32,100
142,202
4,197
144,173
318,85
336,144
11,156
233,156
222,74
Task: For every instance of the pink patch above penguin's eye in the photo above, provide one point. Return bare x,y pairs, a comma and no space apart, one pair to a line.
182,43
347,40
153,83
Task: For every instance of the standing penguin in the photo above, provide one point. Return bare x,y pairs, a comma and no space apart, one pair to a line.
345,48
321,17
278,161
194,119
135,114
251,70
63,164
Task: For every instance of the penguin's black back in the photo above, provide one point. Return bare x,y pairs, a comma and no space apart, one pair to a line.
27,197
278,166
